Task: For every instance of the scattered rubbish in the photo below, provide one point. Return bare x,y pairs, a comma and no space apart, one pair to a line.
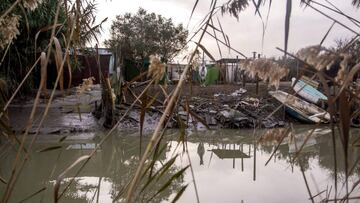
86,85
238,92
84,146
240,113
210,120
219,95
251,101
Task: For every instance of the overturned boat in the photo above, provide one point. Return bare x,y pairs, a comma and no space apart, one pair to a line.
308,92
300,109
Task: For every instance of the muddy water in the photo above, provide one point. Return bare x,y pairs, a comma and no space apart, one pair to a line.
229,166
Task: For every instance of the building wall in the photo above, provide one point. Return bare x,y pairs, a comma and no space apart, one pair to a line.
89,69
175,71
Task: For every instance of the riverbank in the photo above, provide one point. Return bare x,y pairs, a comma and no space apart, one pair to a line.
216,106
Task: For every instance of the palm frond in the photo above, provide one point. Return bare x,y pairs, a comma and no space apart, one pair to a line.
234,7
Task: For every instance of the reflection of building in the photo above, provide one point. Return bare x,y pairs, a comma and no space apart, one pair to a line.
232,151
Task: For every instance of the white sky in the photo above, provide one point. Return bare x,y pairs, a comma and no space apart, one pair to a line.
307,26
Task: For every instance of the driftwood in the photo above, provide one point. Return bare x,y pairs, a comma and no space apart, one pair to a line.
109,104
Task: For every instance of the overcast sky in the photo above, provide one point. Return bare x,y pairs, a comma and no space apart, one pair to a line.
307,26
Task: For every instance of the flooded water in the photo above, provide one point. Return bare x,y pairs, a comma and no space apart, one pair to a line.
229,166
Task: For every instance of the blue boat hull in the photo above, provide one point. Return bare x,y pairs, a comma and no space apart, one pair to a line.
298,116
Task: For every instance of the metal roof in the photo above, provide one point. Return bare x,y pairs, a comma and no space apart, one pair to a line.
229,60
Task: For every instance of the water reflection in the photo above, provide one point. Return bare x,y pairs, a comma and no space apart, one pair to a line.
103,177
201,151
235,168
229,166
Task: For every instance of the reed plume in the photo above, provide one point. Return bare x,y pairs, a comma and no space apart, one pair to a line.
8,30
317,56
156,69
323,59
31,4
344,68
266,69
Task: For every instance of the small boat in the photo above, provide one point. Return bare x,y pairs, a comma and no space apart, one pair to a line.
300,109
308,92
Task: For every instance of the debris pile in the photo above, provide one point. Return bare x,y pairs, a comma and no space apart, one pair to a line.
229,111
233,110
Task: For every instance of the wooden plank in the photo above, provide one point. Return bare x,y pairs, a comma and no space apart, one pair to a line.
310,81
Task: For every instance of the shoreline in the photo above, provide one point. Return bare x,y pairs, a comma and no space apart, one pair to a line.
216,106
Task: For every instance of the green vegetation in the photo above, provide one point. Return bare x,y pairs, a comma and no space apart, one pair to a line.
138,36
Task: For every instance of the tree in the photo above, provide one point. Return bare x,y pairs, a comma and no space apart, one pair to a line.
349,46
143,34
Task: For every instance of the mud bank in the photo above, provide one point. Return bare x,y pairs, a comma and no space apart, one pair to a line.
66,114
